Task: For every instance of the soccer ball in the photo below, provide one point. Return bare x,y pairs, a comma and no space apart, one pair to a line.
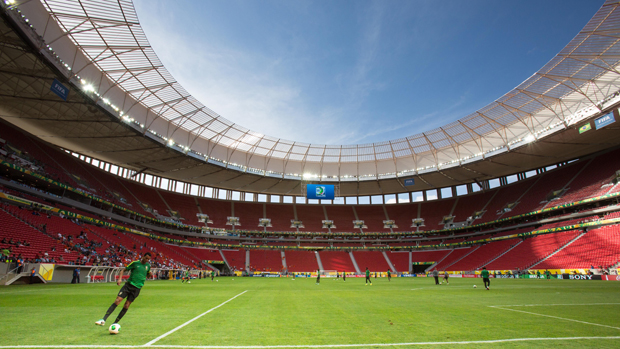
217,280
475,286
189,282
114,328
233,279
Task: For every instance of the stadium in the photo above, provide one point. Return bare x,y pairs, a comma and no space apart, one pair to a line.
262,242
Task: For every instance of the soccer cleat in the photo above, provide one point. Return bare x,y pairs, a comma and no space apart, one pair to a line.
100,322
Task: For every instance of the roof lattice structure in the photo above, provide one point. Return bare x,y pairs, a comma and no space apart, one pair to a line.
576,84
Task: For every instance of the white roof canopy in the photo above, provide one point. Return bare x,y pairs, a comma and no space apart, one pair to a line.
104,44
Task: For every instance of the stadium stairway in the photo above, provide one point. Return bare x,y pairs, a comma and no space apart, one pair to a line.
462,257
558,250
501,254
23,278
456,255
283,256
566,186
439,261
318,260
225,260
482,255
357,268
186,250
389,262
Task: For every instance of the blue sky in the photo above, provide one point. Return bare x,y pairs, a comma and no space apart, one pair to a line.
350,72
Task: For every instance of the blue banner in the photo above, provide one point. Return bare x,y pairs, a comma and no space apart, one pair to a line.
320,191
604,120
60,89
409,181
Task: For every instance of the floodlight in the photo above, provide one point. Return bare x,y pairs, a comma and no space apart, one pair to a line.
359,224
390,224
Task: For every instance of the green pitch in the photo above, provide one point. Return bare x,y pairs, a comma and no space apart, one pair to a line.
405,313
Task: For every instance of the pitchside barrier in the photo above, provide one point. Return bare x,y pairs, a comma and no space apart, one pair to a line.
564,276
64,273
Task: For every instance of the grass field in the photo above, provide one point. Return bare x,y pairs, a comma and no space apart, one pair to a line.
267,312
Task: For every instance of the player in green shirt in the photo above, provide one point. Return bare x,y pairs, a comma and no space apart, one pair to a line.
389,275
212,274
368,277
140,270
485,278
185,276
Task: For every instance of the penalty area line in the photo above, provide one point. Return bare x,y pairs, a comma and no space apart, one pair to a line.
550,305
491,341
555,317
192,320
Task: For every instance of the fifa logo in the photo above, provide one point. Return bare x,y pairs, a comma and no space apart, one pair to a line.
320,192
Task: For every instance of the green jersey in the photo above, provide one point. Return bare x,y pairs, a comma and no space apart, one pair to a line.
139,272
389,274
213,273
485,274
187,273
367,273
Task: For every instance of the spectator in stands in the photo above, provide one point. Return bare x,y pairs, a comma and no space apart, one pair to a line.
20,263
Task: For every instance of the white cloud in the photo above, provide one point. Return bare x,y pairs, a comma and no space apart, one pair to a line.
261,91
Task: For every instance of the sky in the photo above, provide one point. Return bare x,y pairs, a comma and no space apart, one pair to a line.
355,71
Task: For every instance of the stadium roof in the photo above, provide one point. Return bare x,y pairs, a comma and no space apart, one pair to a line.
107,55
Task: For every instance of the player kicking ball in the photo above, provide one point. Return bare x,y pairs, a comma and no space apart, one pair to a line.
140,270
445,277
485,278
186,277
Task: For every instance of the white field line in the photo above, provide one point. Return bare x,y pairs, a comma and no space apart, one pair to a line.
555,317
492,341
550,305
192,320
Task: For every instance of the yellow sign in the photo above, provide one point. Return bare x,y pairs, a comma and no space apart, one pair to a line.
46,271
